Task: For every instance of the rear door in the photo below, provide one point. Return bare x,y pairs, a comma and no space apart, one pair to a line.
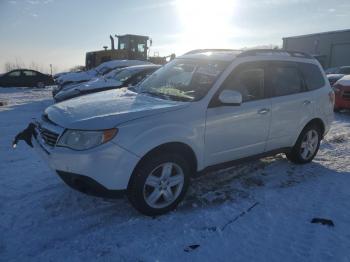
234,132
31,78
291,104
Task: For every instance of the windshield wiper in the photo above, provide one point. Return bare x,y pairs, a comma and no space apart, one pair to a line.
167,96
155,94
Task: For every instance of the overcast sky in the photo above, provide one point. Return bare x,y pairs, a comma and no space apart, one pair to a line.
59,32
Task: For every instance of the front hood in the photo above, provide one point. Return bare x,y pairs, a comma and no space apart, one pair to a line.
107,109
76,77
99,83
95,85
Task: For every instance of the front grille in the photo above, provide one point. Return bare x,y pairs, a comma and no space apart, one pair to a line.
346,95
49,137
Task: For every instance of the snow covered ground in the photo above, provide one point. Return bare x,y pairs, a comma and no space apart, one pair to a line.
259,211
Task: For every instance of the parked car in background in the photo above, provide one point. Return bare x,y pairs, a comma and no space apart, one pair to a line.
102,69
128,76
345,70
342,93
198,112
56,76
25,78
332,78
336,73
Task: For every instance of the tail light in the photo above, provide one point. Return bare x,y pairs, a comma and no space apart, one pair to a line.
331,97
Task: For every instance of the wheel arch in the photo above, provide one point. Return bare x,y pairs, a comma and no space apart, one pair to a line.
315,121
171,147
318,122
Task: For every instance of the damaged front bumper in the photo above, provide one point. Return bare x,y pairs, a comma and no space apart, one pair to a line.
101,171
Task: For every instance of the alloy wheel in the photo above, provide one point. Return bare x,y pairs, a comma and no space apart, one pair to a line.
309,144
163,185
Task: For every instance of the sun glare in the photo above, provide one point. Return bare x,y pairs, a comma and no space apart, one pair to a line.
205,23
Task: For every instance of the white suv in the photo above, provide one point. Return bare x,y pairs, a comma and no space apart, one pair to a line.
199,111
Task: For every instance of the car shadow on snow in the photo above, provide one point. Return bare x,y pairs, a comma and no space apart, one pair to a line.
234,184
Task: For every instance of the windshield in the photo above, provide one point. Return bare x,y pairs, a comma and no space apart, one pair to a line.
183,79
112,73
104,69
125,75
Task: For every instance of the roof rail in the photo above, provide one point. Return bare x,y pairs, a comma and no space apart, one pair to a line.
196,51
255,52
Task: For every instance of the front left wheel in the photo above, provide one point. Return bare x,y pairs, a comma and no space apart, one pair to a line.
159,183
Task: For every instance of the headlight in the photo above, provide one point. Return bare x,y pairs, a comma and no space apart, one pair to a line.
82,140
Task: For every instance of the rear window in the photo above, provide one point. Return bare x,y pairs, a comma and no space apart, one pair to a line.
285,80
312,76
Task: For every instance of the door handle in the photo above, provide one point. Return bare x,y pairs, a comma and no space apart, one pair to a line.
306,102
263,111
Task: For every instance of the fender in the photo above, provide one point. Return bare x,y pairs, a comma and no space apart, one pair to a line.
143,135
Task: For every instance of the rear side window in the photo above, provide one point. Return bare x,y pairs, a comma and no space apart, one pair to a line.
29,73
248,79
285,79
312,76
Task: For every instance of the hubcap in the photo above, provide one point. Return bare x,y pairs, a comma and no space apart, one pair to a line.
163,185
309,144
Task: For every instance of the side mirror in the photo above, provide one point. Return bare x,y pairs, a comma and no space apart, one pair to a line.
230,97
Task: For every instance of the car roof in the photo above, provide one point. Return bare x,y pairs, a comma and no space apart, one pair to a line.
125,62
22,69
212,55
142,67
225,55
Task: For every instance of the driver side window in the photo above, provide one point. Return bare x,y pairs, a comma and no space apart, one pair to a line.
248,79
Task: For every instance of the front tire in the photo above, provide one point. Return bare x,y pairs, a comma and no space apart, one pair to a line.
307,145
159,183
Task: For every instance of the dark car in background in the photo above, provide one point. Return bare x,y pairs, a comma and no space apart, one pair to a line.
25,78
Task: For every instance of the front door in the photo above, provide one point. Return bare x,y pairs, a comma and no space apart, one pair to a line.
234,132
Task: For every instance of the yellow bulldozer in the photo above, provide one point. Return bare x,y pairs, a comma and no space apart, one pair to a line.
129,47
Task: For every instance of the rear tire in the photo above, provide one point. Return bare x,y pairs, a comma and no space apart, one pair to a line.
159,183
307,145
